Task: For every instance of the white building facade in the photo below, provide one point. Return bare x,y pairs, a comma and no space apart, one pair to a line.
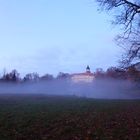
86,77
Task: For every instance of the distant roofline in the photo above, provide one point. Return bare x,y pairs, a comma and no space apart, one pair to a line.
86,73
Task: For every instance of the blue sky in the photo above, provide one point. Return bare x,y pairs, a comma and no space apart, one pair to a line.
49,36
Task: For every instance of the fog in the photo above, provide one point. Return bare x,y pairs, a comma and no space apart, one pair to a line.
100,89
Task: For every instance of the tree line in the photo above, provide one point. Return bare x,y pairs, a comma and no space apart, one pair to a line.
130,73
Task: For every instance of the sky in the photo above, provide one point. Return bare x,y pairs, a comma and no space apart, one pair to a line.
52,36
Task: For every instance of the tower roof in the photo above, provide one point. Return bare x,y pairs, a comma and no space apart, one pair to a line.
88,68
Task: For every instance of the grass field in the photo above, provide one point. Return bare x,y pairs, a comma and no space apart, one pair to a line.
41,117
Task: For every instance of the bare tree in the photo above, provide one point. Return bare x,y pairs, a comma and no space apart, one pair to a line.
127,16
31,77
13,76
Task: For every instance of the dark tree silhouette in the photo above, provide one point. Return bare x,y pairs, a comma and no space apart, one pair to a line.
62,75
13,76
31,77
128,16
133,73
99,73
47,77
117,73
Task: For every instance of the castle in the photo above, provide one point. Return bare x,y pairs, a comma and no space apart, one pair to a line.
86,77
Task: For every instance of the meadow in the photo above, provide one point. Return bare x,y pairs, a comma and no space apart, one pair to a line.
44,117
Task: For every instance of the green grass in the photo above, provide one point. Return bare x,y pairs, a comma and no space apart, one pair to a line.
40,117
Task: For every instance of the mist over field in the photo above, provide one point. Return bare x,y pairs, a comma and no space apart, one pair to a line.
104,89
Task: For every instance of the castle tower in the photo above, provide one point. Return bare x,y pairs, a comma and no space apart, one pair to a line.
88,69
85,77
